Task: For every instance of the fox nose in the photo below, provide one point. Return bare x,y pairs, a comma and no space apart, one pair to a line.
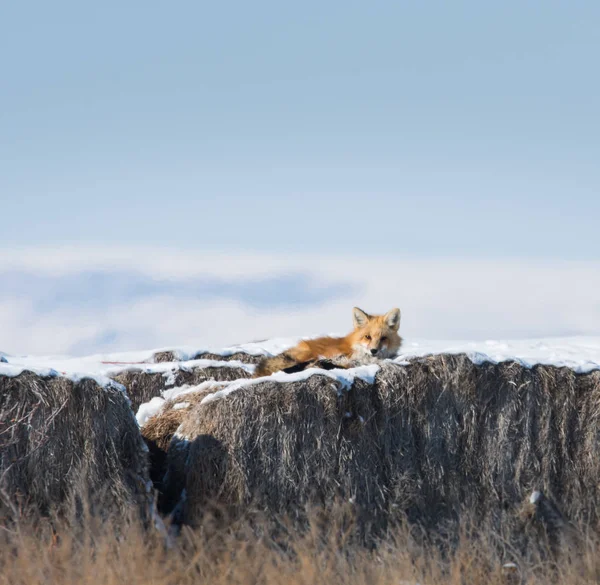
373,352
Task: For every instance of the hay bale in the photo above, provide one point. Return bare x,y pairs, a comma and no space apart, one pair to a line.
143,385
164,356
240,356
425,442
174,356
161,427
297,453
66,447
158,431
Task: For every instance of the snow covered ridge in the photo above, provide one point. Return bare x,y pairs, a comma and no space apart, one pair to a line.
581,354
100,371
11,371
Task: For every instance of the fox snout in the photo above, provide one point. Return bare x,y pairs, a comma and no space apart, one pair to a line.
374,347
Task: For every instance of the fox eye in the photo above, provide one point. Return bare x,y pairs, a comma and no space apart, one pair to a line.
384,339
368,337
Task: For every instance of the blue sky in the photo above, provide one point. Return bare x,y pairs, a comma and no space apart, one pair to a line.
456,129
276,133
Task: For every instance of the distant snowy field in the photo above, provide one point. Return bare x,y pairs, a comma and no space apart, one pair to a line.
581,354
82,301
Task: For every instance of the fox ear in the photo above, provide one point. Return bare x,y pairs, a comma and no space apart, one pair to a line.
392,319
359,317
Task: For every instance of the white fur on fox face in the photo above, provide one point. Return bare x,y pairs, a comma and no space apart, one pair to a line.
361,349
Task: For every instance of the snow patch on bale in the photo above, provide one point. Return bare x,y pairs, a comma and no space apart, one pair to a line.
146,382
345,377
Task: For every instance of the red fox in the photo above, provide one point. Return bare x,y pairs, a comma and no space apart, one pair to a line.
374,336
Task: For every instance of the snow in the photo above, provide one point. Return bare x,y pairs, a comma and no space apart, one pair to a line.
101,369
169,378
149,409
534,497
255,348
12,370
345,377
173,393
95,364
581,354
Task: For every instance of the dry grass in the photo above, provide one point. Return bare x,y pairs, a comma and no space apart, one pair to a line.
239,556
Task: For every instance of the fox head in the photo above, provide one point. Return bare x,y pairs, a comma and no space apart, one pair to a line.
376,335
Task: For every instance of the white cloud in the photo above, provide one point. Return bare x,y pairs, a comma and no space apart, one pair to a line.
467,299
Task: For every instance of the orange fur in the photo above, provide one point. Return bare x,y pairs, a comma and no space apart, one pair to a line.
374,336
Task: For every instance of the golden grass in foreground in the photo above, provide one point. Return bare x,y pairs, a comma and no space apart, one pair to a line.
238,556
